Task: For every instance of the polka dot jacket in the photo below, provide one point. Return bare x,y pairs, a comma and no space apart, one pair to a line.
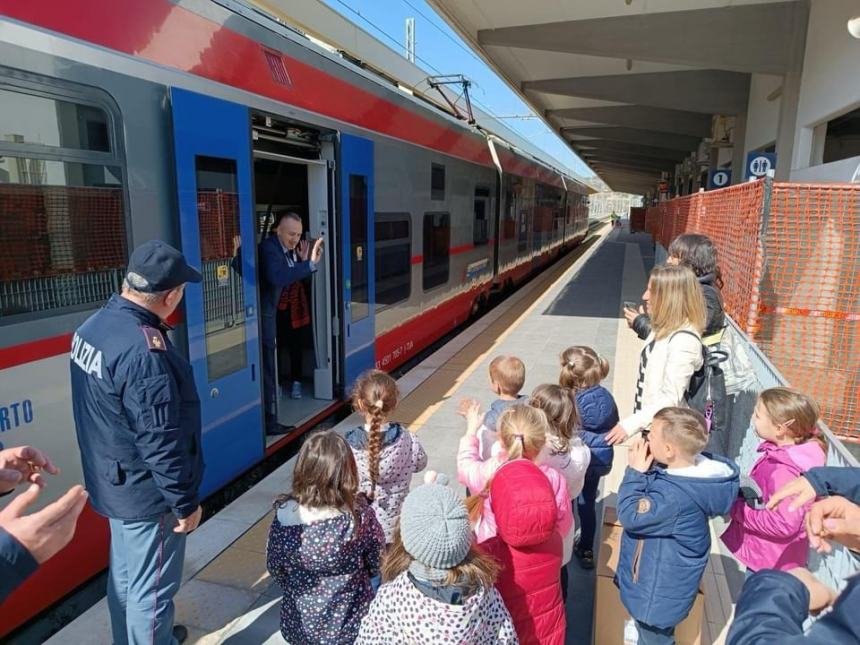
324,571
401,456
401,614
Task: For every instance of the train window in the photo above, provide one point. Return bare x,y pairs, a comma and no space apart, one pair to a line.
437,182
42,121
393,249
523,238
480,230
62,201
223,295
509,222
437,243
359,305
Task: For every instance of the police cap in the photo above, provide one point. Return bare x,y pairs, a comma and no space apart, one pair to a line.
162,266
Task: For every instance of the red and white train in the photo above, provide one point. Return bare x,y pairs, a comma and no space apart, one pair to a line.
192,121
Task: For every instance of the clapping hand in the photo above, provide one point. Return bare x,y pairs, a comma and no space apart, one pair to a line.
302,250
317,251
833,518
23,464
799,488
639,456
471,410
237,243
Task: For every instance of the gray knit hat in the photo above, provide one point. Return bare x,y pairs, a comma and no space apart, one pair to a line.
434,527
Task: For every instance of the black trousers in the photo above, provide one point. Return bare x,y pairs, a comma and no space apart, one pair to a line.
291,348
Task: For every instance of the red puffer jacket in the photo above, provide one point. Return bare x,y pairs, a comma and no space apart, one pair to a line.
528,547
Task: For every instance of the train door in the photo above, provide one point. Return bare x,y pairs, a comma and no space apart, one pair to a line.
357,224
213,175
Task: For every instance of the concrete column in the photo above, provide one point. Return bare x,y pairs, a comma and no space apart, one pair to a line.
738,157
793,151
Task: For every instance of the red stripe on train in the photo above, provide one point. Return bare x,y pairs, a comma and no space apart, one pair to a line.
34,351
170,35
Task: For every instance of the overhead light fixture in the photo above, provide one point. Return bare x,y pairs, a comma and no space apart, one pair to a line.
854,26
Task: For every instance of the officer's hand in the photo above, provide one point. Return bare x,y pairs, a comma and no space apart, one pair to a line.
188,524
43,533
317,251
23,463
302,250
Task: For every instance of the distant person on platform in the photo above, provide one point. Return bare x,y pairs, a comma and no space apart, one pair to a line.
285,261
26,541
137,417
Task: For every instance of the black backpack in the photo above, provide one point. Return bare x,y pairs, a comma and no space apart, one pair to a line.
706,393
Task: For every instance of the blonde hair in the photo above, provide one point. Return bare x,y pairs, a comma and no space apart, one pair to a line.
684,428
676,300
797,412
582,367
375,393
475,571
509,373
522,433
560,408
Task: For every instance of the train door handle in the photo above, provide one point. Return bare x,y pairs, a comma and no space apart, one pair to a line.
214,392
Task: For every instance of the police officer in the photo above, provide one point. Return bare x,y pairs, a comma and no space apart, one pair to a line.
137,417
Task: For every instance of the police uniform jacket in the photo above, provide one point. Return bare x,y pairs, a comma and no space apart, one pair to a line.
137,415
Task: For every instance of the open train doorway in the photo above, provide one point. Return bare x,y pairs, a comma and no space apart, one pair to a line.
291,179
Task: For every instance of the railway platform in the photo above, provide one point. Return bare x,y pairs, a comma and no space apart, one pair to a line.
227,596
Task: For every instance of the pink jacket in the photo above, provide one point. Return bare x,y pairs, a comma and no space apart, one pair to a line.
474,474
763,539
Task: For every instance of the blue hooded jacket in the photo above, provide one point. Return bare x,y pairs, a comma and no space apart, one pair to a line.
598,415
667,538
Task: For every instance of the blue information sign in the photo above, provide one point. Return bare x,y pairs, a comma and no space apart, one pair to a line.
719,178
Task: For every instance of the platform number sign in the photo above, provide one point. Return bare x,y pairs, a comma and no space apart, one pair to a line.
719,179
759,164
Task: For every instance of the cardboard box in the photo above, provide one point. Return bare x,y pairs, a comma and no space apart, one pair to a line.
610,617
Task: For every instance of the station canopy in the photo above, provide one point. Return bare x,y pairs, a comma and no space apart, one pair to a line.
631,85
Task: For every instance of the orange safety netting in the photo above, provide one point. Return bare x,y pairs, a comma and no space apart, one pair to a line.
790,256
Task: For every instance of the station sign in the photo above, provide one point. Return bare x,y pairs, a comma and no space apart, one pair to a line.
759,164
719,178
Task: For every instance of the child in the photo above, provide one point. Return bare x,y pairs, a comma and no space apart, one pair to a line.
528,547
522,435
665,511
564,451
582,370
324,546
386,453
785,420
438,587
507,376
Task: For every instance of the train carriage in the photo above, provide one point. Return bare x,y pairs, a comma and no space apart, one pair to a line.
193,122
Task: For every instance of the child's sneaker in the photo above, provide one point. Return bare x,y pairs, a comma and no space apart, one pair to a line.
585,557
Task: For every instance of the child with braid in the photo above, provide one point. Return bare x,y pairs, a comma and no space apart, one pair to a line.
386,453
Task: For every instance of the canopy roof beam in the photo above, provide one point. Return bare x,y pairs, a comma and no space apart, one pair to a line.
694,124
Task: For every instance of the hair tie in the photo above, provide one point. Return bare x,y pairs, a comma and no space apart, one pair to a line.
522,440
571,364
378,404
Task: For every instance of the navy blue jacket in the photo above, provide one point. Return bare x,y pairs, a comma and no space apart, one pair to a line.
667,539
137,415
16,564
835,481
774,604
598,414
276,273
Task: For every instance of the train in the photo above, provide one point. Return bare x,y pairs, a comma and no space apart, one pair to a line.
193,121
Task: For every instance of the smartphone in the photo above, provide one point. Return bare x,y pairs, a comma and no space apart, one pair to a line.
629,304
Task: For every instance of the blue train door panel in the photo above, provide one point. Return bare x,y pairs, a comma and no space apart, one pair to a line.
213,175
357,251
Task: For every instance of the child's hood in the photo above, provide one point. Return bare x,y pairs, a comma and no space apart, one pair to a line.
713,484
292,514
597,409
523,504
358,437
800,456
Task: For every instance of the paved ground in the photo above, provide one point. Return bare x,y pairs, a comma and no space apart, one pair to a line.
228,597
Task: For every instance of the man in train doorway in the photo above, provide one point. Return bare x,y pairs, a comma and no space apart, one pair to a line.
137,419
285,261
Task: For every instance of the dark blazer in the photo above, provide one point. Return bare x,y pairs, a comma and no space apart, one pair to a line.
275,274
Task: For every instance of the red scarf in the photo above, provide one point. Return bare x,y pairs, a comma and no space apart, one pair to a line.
295,298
